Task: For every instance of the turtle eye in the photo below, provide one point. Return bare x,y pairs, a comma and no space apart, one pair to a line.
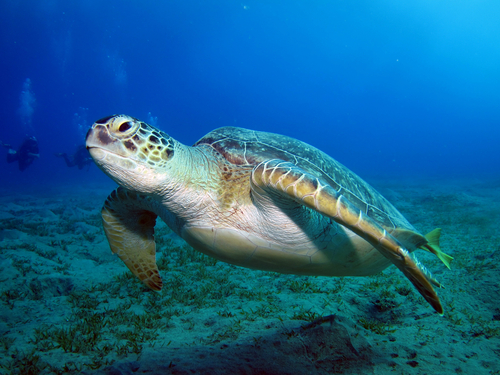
124,127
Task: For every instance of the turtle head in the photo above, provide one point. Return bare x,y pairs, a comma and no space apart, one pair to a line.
134,154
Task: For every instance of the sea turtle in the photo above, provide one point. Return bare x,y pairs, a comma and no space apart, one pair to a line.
253,199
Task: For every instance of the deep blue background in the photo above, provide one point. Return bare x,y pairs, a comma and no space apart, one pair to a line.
389,88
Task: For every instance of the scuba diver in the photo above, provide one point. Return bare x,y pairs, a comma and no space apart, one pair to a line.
80,158
25,155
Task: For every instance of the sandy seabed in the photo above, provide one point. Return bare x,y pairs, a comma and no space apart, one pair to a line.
68,305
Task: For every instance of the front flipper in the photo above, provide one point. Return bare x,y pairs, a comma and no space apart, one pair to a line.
129,227
290,181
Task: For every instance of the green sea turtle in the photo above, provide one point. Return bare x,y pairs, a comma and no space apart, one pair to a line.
253,199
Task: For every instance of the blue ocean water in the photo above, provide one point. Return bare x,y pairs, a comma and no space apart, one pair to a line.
398,91
388,88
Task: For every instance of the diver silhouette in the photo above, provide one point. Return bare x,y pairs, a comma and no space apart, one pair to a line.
25,155
80,158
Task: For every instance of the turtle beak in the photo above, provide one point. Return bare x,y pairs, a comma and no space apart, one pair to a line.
98,136
90,135
96,153
95,145
99,142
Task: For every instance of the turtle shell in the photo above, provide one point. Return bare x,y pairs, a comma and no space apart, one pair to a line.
249,148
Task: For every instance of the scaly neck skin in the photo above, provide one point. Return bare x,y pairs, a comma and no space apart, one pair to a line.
191,186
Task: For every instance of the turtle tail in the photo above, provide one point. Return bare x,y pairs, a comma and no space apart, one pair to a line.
432,246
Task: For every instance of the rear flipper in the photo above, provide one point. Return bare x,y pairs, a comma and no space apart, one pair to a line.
289,181
129,228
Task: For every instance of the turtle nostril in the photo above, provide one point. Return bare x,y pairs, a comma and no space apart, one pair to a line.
124,127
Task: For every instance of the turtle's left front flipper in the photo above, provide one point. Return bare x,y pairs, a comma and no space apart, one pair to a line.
290,181
129,227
